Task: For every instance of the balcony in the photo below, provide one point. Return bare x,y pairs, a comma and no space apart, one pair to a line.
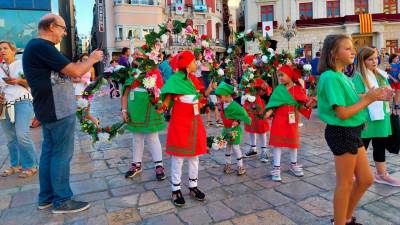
200,8
137,2
380,17
259,25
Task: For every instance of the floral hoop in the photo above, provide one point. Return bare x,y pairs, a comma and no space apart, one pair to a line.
147,59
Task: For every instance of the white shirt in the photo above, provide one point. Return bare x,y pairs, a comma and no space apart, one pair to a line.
375,109
12,92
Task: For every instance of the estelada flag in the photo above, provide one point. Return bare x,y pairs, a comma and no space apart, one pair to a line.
365,23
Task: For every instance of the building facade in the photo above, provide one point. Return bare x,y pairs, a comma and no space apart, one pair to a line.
314,19
207,17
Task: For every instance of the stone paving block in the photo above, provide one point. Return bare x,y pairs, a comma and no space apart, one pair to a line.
297,214
87,186
195,216
383,190
267,182
326,181
118,203
367,198
123,217
232,179
157,184
95,196
28,215
384,210
147,197
163,193
273,197
96,209
246,204
9,191
5,201
218,211
97,220
207,184
88,167
266,217
115,181
165,219
224,223
105,173
253,186
81,158
298,190
24,198
79,177
30,187
156,209
237,189
318,206
126,190
217,194
368,218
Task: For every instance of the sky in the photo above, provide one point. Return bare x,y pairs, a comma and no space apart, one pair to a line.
84,15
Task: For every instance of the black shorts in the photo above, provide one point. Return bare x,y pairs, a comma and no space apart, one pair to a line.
344,139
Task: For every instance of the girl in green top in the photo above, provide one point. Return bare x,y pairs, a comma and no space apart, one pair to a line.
343,110
378,121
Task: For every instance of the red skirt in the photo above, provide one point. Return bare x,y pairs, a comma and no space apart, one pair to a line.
284,134
186,133
258,125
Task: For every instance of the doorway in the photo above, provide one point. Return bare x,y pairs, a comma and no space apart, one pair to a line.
361,41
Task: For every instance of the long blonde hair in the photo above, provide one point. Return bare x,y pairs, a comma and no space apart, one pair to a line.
363,54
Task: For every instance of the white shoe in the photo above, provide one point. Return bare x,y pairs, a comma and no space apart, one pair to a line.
276,174
296,169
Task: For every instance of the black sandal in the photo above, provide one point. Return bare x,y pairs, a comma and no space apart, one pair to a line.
177,198
197,194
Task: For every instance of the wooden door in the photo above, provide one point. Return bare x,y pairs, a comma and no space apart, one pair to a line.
361,41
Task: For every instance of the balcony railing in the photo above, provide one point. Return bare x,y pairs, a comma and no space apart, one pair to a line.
259,25
380,17
137,2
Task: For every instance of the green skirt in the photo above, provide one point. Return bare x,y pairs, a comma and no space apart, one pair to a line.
238,139
142,114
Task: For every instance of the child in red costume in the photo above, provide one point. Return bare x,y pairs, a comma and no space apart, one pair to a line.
186,136
287,100
259,126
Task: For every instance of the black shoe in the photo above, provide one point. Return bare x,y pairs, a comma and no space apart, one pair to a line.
44,205
160,175
177,198
352,222
133,171
197,194
251,153
71,206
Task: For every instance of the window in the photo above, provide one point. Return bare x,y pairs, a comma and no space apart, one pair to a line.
390,6
306,10
146,31
199,2
201,29
25,4
120,33
40,4
219,6
360,6
392,46
333,9
267,13
308,52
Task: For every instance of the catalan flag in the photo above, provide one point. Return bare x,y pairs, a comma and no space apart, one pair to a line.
365,23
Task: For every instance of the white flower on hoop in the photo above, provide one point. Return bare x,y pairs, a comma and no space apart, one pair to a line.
103,137
271,51
249,31
118,67
150,82
250,98
307,67
82,103
220,72
153,55
264,59
229,51
205,44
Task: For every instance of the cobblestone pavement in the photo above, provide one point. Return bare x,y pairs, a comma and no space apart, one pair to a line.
97,175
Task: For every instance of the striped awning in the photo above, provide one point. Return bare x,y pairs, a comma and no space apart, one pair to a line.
365,23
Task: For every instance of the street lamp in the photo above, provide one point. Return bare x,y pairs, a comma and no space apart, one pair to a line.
289,31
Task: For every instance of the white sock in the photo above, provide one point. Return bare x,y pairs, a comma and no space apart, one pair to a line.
293,155
238,154
228,154
277,157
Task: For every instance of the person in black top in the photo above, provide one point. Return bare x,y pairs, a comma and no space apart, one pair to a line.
49,75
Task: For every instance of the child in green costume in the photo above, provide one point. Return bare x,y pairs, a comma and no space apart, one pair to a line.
232,113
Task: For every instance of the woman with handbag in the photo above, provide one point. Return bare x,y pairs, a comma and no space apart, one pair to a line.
17,114
378,126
